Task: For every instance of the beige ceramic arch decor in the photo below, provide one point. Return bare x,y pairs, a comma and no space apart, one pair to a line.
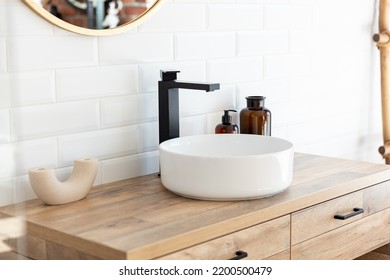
53,192
92,32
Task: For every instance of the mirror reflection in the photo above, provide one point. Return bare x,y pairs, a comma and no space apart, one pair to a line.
96,14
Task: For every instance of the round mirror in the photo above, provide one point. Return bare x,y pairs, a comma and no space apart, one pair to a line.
94,17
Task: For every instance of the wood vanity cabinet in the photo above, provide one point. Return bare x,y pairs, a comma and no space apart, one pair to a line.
363,224
140,219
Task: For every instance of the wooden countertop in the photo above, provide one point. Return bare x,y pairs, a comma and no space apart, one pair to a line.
139,219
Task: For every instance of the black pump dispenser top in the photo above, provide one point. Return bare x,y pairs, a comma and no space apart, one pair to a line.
227,126
226,118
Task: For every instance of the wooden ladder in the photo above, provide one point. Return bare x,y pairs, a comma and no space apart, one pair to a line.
383,42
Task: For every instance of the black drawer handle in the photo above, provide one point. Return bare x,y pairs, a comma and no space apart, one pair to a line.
356,211
240,255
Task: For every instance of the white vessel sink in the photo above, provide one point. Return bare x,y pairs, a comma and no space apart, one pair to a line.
226,166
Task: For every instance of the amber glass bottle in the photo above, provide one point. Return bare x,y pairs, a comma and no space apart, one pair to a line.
255,119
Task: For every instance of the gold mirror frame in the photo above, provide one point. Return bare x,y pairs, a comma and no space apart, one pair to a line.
92,32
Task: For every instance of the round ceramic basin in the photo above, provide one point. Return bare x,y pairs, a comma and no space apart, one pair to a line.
226,166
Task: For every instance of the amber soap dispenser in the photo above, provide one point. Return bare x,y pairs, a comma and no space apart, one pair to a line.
227,126
255,118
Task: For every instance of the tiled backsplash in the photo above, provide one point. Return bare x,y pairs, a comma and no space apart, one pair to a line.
64,96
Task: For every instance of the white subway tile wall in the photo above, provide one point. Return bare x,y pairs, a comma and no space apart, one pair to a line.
92,82
30,122
48,52
288,16
236,70
236,16
34,153
20,85
121,168
65,96
21,22
195,46
103,144
3,55
136,48
178,17
251,43
5,128
149,136
3,19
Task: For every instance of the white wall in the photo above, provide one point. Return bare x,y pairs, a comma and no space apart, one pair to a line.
65,96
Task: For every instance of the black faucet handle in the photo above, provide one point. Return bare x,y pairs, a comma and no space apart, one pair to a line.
168,75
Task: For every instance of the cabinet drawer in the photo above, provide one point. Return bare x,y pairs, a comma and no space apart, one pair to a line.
259,242
347,242
319,219
376,198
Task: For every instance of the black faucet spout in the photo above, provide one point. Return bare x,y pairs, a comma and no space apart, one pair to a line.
168,96
192,85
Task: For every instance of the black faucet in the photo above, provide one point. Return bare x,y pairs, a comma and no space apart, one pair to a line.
168,102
